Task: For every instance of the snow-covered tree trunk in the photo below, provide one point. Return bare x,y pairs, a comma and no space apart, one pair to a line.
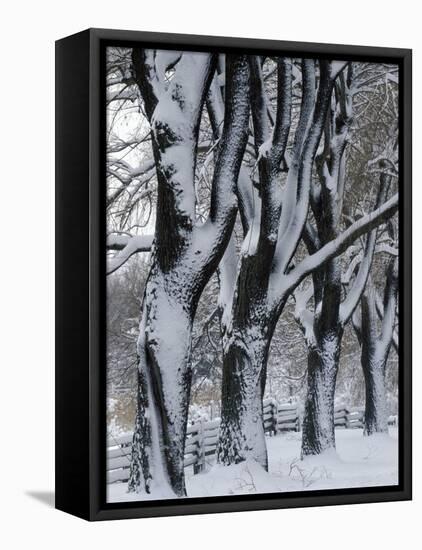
324,348
375,348
253,314
164,385
266,276
244,365
324,330
246,341
373,360
185,254
318,421
375,396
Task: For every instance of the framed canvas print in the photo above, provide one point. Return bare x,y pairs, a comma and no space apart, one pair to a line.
233,274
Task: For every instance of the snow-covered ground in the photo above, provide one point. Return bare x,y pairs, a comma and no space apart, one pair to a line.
358,462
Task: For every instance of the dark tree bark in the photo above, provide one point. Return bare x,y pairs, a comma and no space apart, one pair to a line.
318,422
330,313
185,254
324,337
265,277
241,431
375,348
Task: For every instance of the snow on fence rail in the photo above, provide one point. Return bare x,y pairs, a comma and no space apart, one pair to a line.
201,440
118,458
201,437
344,418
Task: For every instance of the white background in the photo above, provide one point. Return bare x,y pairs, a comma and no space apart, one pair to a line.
28,31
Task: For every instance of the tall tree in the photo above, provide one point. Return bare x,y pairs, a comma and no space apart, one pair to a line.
293,159
323,328
266,275
376,344
186,252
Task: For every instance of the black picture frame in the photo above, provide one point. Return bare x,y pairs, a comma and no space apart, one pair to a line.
80,277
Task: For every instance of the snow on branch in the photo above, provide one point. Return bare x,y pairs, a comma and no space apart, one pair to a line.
230,154
126,175
338,245
303,316
357,288
380,312
380,248
336,67
127,246
179,106
390,304
306,112
294,229
372,307
270,144
247,195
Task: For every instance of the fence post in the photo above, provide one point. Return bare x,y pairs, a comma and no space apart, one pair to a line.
274,415
199,466
298,423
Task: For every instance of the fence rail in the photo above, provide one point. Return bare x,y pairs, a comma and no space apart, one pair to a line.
345,418
202,437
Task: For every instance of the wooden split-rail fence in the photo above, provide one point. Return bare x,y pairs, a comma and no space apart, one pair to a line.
202,437
345,418
201,440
